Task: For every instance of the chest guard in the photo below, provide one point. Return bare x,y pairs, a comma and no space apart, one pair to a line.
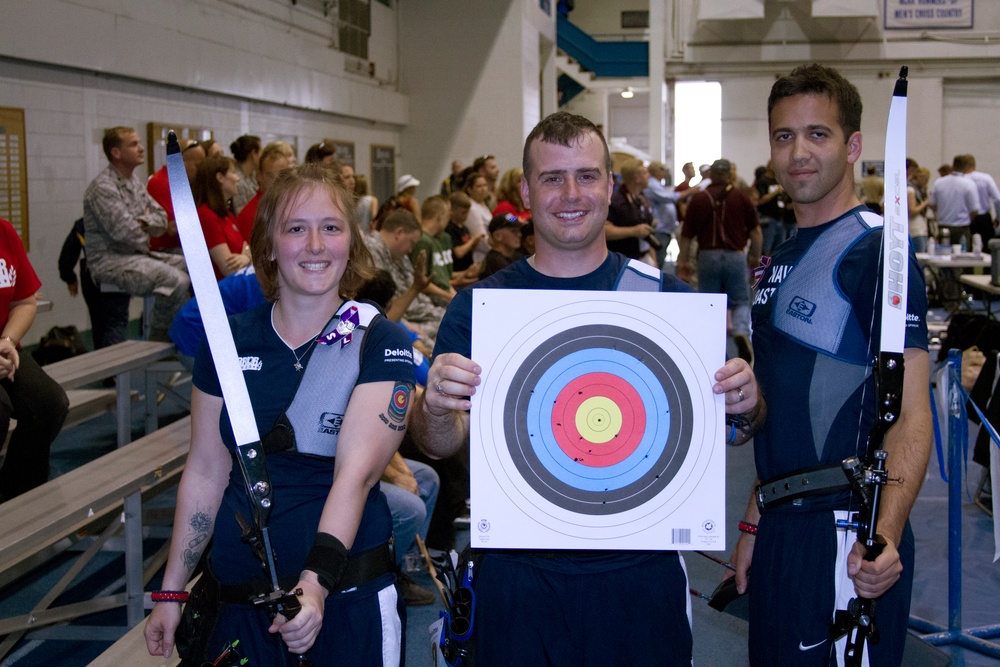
809,306
316,414
638,276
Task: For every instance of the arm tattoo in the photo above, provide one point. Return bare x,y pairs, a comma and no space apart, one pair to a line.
200,524
395,416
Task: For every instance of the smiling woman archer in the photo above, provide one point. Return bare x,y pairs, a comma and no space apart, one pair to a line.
322,374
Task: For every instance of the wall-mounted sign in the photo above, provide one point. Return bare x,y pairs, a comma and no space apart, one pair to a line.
14,172
383,179
928,14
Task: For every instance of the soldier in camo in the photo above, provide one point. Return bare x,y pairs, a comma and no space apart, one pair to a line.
119,217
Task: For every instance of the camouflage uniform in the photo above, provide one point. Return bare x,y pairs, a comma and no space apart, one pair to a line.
422,310
119,216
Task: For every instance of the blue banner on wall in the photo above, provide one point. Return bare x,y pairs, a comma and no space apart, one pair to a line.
928,14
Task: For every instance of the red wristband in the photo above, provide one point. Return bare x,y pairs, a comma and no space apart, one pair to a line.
748,528
169,596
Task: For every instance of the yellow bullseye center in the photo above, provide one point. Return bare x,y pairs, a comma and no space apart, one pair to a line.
598,419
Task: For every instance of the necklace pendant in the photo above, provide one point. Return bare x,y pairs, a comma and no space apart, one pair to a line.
298,366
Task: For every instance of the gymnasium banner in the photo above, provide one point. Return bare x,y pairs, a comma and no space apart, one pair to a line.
928,14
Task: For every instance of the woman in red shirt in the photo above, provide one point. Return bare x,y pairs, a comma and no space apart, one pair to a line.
27,394
509,195
214,187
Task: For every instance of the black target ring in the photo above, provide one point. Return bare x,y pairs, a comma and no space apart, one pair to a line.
671,453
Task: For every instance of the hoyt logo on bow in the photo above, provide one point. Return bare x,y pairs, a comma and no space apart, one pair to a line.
897,258
349,321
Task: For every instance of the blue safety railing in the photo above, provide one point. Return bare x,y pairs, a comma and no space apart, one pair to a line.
975,639
604,59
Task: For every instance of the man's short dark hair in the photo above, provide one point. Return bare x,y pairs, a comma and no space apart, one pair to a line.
816,79
460,200
400,219
562,128
113,138
432,206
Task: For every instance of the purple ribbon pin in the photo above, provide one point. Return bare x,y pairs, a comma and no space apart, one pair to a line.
349,321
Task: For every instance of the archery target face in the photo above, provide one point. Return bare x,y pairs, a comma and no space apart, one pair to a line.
595,425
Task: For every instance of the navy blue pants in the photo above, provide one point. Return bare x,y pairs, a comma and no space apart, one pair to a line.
637,614
792,596
40,406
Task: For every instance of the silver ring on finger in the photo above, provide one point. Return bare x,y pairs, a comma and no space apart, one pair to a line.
438,388
740,392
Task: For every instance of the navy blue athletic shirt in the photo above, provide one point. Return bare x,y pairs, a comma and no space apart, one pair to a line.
813,399
301,483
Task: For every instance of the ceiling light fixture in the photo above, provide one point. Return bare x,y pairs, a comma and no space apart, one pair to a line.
627,93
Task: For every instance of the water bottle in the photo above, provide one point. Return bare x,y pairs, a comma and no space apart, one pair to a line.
946,239
977,243
994,246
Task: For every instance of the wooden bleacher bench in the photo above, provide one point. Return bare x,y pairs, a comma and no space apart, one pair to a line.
117,361
86,404
107,362
60,508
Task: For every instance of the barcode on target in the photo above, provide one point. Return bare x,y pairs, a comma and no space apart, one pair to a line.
680,535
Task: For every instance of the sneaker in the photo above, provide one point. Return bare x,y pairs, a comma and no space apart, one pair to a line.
413,594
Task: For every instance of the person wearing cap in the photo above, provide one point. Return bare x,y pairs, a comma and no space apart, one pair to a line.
406,194
724,220
505,242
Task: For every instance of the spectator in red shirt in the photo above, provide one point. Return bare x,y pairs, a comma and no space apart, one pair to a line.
158,187
214,187
27,394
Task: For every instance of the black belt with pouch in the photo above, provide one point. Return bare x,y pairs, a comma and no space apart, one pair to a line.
810,482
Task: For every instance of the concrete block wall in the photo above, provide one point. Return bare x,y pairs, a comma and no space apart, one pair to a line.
472,74
65,115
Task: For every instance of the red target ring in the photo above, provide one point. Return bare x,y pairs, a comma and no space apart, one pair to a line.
598,419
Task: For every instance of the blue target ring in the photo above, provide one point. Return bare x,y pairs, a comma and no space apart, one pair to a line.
528,412
548,451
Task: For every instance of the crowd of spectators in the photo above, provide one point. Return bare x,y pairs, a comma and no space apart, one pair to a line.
425,251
